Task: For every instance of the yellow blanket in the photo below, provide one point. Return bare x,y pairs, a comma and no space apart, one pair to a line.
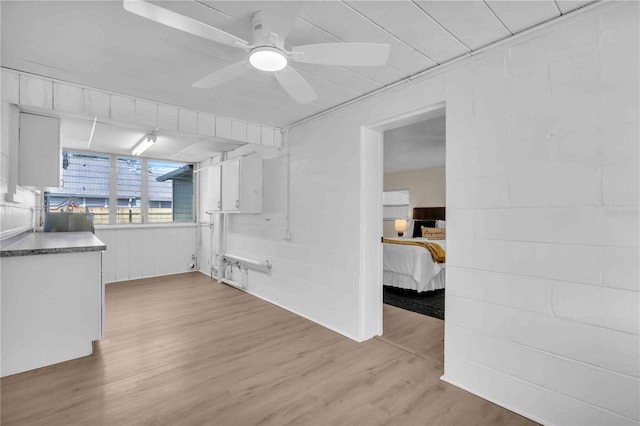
437,253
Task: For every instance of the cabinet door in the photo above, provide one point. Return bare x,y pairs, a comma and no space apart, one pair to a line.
231,185
40,156
250,185
214,185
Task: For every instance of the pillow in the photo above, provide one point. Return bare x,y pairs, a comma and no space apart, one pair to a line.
433,233
408,233
441,224
418,224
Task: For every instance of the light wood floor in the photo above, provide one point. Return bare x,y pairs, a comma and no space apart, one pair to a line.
419,334
185,350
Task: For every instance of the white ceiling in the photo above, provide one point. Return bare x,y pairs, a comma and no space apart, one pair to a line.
416,146
98,44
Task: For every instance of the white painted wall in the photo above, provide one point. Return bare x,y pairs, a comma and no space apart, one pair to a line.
426,187
542,199
146,251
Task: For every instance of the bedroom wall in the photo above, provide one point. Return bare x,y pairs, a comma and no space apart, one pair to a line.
542,199
426,189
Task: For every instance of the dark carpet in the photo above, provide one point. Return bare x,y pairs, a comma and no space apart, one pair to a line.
429,303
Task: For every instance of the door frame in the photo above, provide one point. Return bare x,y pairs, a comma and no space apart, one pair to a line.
371,188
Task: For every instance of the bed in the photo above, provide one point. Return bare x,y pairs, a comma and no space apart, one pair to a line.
411,266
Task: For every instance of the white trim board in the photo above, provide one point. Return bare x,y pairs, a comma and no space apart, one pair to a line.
51,96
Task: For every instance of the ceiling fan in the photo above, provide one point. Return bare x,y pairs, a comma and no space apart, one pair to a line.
267,50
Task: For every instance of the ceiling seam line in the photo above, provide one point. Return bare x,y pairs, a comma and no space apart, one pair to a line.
329,81
321,29
344,41
442,27
558,7
496,16
376,82
570,15
389,32
220,12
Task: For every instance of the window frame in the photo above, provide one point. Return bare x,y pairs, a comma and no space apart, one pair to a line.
144,191
391,210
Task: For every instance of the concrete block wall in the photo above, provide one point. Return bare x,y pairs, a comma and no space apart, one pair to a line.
542,201
542,281
315,272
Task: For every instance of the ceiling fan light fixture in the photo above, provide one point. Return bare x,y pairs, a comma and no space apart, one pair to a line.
267,58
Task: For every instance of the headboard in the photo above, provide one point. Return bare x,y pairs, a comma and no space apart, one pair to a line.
426,216
429,213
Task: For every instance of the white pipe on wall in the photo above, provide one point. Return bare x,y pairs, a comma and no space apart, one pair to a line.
219,233
243,262
231,283
287,220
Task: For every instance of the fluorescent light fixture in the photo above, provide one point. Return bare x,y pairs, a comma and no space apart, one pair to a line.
267,58
144,144
93,129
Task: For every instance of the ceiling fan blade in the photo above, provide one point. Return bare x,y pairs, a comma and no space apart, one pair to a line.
223,75
295,85
349,54
181,22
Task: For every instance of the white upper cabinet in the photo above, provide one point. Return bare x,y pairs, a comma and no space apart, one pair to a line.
214,188
40,152
231,185
242,185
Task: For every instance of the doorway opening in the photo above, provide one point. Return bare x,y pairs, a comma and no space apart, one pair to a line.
405,154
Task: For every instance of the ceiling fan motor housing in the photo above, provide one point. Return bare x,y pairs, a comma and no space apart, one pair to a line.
259,37
268,52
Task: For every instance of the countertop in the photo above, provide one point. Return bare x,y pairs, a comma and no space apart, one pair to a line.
30,243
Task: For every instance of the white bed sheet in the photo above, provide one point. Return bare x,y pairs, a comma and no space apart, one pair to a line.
412,267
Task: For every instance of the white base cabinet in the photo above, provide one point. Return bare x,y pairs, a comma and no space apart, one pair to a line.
52,308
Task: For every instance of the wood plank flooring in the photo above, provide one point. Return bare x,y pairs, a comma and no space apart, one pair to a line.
186,350
413,332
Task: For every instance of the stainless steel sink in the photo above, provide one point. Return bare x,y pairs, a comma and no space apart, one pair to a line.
68,222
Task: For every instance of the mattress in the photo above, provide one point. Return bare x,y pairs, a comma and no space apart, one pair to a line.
412,267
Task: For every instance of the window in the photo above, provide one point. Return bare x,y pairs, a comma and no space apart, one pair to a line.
140,190
129,190
395,204
86,186
170,191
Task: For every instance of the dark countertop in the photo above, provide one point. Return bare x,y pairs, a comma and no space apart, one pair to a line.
30,243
